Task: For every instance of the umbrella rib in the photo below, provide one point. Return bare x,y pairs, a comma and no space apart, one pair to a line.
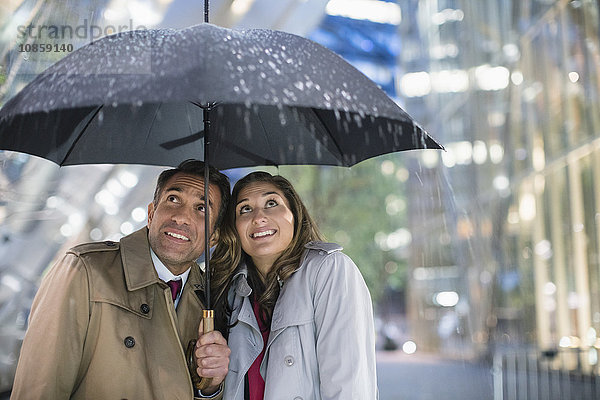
81,134
249,155
266,137
152,124
237,149
335,142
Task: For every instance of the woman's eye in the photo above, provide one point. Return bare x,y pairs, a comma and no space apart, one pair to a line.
270,203
245,209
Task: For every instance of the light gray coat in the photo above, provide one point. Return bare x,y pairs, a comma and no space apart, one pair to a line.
322,340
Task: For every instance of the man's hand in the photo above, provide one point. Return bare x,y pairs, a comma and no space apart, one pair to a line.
212,358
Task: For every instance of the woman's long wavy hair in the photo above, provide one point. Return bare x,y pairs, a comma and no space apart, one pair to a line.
228,253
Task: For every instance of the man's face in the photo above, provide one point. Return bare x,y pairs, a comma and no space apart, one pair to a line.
176,221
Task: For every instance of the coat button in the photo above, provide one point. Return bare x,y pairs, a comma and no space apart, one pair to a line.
289,361
129,342
145,308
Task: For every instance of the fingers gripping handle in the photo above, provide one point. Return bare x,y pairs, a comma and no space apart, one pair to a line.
208,324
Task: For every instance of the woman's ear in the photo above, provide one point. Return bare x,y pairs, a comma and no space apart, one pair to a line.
214,238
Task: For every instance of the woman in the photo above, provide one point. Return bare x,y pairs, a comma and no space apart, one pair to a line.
296,310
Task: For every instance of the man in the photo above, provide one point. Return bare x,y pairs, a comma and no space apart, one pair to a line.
106,325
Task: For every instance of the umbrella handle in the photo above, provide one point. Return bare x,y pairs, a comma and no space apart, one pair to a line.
208,326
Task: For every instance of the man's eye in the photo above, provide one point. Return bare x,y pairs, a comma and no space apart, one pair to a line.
172,198
201,208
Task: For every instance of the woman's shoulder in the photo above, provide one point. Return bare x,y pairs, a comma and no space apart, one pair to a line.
323,247
319,254
325,263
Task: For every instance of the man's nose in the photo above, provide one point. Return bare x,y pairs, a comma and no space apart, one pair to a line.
182,216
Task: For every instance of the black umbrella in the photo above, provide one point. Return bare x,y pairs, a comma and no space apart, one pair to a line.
144,97
139,98
150,96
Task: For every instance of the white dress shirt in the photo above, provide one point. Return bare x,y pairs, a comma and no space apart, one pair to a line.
165,275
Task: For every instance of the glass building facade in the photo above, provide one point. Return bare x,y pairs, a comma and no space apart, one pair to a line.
510,219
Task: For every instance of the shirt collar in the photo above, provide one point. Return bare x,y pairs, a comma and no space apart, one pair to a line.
163,272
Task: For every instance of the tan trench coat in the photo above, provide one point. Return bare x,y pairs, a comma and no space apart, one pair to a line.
103,326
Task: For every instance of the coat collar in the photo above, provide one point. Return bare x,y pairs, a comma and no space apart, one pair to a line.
294,294
137,262
240,276
240,281
299,300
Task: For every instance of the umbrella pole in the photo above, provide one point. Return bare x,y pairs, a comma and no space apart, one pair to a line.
206,210
208,323
208,314
207,300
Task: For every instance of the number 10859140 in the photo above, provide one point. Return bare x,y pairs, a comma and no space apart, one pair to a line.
45,48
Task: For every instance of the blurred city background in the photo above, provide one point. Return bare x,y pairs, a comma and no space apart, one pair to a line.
483,260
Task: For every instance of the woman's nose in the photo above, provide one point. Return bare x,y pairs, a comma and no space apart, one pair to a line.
259,216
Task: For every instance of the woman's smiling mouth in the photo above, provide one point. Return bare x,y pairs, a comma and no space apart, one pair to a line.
257,235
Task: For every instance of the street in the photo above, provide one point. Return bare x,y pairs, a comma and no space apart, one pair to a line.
426,377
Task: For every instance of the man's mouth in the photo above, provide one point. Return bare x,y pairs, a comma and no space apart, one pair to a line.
177,236
256,235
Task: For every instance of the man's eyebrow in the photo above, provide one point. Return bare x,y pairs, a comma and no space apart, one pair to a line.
179,189
173,189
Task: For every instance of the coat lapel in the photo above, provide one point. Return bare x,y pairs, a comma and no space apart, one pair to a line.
140,275
190,305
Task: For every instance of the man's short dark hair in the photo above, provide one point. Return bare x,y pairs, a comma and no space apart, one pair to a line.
196,168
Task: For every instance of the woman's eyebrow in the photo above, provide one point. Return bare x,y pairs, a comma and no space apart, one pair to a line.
262,195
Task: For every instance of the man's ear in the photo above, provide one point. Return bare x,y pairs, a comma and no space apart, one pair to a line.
150,213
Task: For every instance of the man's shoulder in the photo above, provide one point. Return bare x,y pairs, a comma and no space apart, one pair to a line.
133,241
95,247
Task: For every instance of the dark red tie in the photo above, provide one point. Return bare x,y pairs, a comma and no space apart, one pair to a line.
175,287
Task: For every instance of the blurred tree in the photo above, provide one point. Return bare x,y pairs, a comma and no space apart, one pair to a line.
364,210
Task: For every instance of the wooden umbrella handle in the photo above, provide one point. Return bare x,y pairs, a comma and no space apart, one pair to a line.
208,325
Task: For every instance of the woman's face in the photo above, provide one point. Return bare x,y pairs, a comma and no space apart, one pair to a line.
264,223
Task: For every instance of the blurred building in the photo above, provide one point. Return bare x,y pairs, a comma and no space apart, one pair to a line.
511,88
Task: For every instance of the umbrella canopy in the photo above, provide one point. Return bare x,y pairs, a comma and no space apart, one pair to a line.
140,98
259,97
